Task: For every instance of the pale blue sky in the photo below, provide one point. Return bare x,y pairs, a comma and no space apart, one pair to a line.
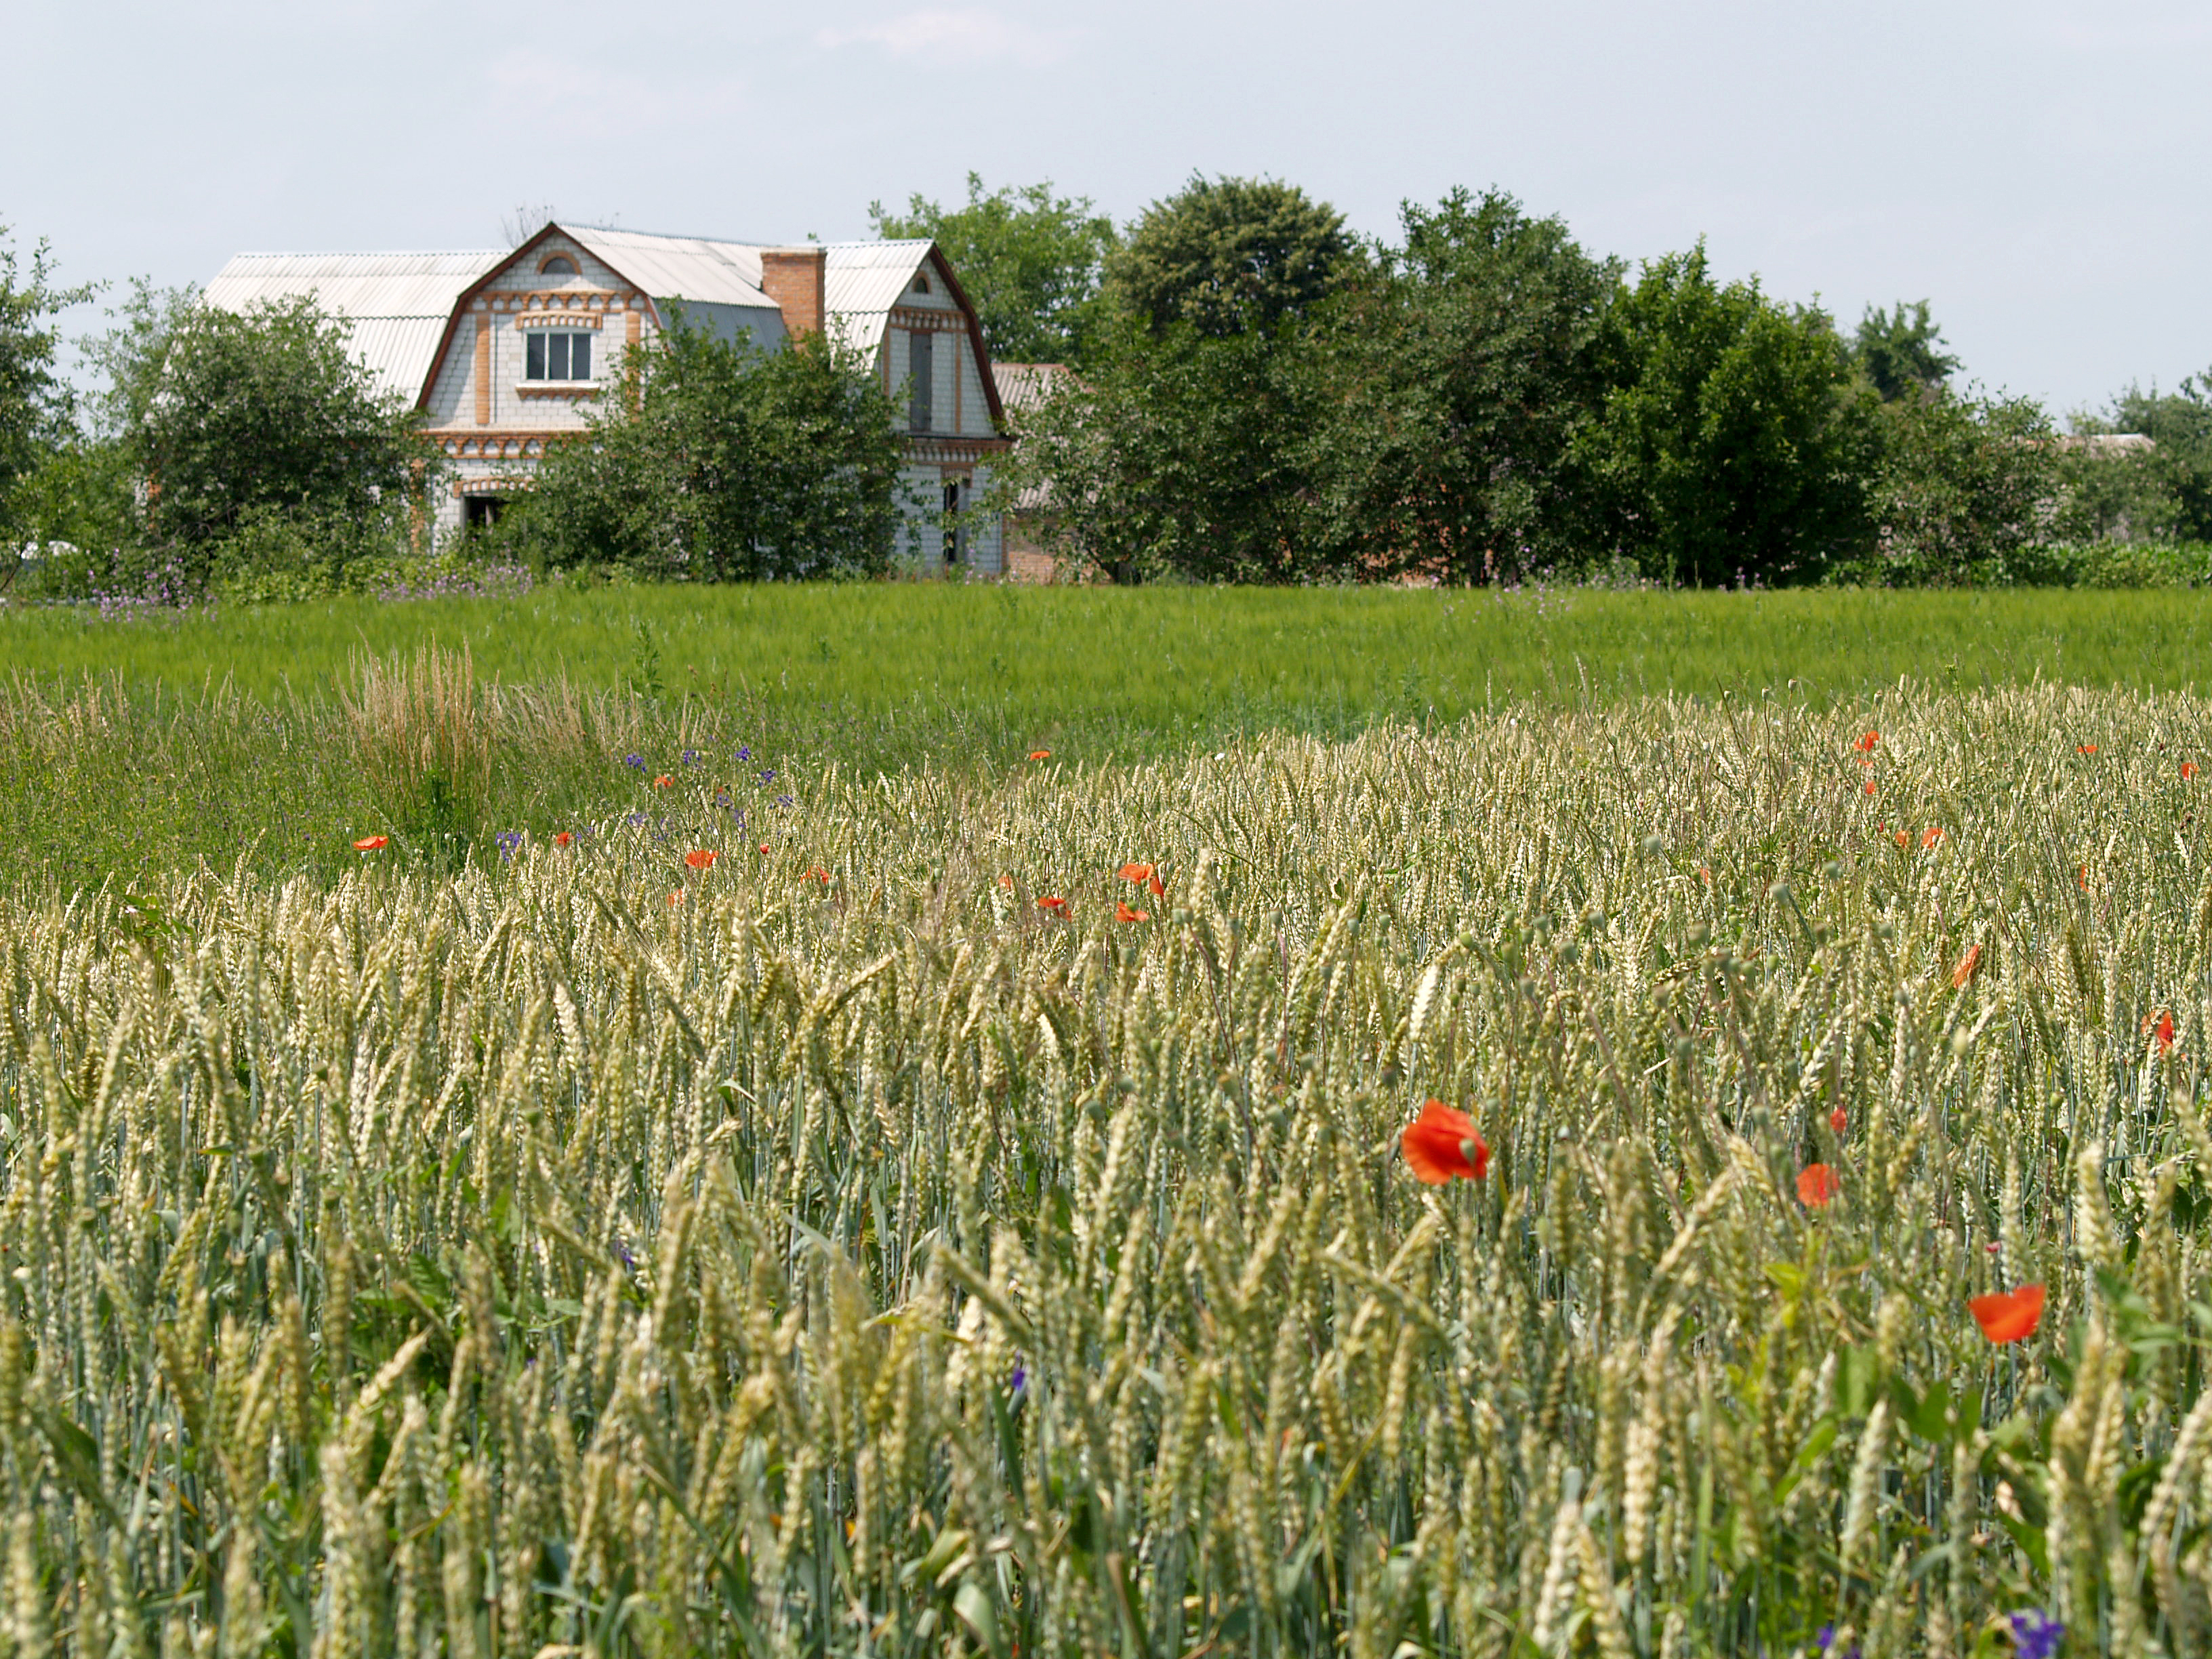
2036,170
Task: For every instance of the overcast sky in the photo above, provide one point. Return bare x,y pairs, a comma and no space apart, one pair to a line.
2036,170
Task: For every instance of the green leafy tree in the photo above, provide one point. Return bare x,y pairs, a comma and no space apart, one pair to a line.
1730,446
234,417
716,461
1463,367
1900,351
36,415
1185,455
1030,262
1960,492
1228,255
2161,495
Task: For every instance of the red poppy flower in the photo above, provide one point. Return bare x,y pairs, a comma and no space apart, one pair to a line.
2008,1316
1902,839
1040,754
1930,837
1135,872
676,897
372,843
2081,878
561,838
1057,906
1969,965
1006,882
763,849
664,781
1159,889
1837,1119
2085,748
817,873
1816,1185
1869,786
699,858
1441,1144
2188,770
1123,913
1867,742
2163,1028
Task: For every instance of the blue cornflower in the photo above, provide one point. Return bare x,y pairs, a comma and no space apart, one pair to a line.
508,840
783,800
635,819
744,751
2035,1636
635,762
690,757
738,813
1020,1377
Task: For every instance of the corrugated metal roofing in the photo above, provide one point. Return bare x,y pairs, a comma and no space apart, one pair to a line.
1023,387
862,281
397,303
679,267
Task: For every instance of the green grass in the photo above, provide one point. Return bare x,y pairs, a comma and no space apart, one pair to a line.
1102,666
131,747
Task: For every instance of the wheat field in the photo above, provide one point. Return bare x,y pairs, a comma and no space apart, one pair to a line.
833,1250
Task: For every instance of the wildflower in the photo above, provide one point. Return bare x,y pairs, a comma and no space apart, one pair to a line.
1057,906
817,873
2085,748
1865,744
768,777
1158,890
664,781
700,857
2162,1028
1869,786
635,762
1902,839
744,751
2034,1636
636,820
1040,754
1930,837
1837,1119
2188,770
763,849
1015,1383
1816,1185
2007,1316
1006,882
1441,1144
372,843
2081,878
1136,872
509,841
688,758
562,838
783,801
1123,913
675,898
1969,964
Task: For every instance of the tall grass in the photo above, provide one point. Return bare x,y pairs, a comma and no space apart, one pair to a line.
1118,668
831,1250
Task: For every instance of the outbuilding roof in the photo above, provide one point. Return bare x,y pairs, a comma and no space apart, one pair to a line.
397,303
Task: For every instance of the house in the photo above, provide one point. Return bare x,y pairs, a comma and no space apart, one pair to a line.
1024,388
504,352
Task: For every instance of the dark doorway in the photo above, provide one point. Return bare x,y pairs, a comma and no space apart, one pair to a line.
482,512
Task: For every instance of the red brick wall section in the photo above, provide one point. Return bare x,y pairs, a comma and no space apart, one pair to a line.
793,278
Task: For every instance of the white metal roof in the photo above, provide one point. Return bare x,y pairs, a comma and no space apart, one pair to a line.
1024,387
862,281
397,303
679,267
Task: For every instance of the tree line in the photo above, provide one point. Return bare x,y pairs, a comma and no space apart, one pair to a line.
1253,394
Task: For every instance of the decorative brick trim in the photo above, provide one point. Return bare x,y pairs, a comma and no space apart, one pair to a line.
559,388
575,265
586,299
952,452
941,322
498,445
536,320
483,371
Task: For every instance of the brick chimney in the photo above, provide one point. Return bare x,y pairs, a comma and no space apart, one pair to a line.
793,277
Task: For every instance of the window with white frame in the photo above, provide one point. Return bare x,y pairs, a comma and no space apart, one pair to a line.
551,356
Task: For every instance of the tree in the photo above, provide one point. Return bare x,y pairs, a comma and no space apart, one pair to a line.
716,461
1463,367
236,415
1730,445
1185,454
35,406
1031,263
1228,255
1899,351
1961,489
2163,494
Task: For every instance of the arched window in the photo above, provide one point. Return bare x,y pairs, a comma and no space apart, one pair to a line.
921,284
557,264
